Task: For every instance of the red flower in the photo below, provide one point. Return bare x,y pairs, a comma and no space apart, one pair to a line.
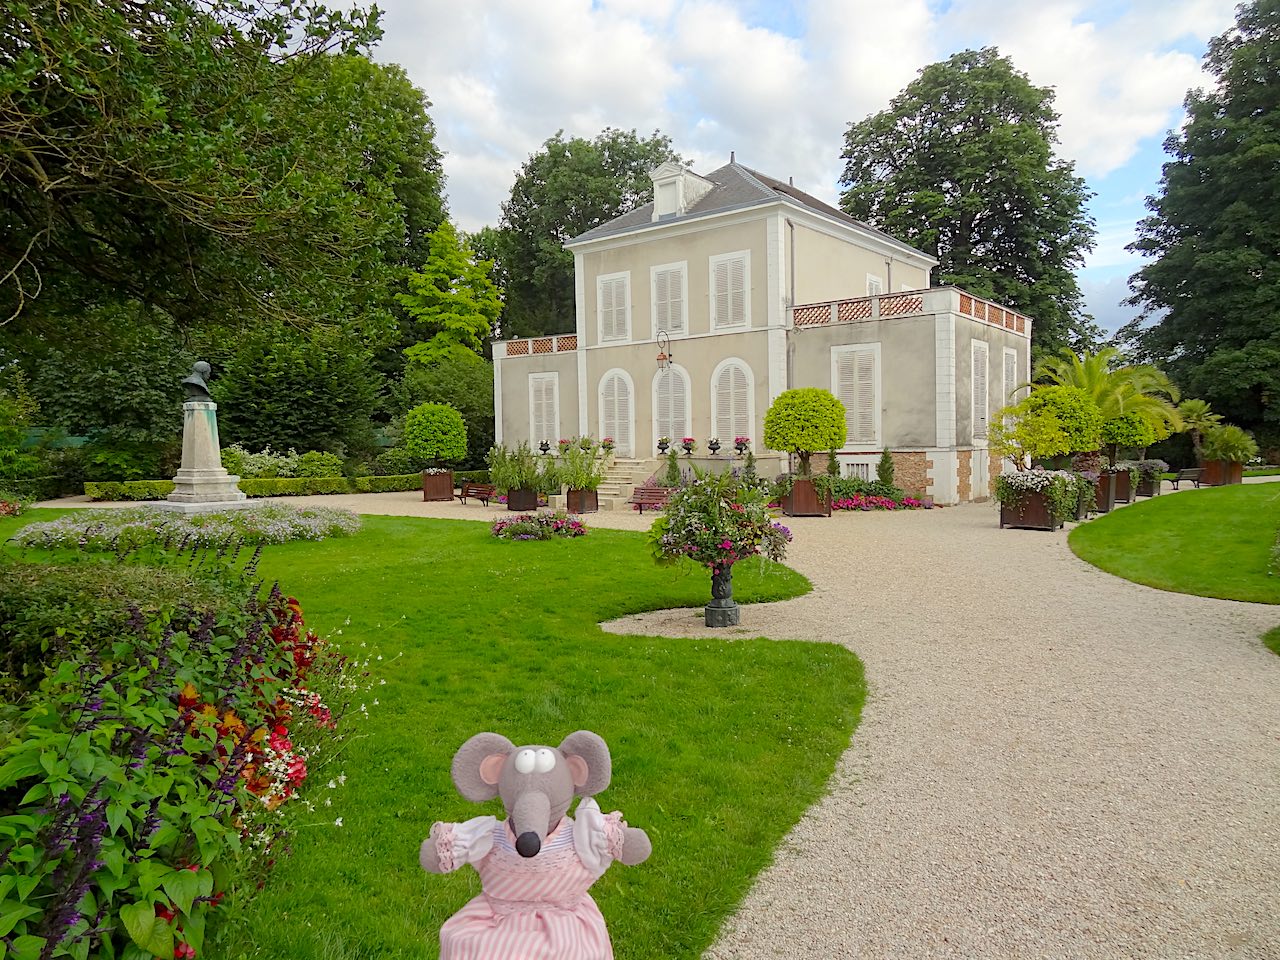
184,951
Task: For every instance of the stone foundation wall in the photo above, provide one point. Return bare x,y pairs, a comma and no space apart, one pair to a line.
964,475
911,472
993,471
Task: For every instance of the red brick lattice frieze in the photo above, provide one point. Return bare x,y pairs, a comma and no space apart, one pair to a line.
567,343
517,348
854,310
813,315
896,306
543,345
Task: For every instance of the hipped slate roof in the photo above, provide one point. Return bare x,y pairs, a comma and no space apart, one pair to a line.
737,188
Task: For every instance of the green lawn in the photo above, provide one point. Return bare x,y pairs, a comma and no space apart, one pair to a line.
718,746
1213,542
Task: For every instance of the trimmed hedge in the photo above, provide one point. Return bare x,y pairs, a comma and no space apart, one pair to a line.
279,486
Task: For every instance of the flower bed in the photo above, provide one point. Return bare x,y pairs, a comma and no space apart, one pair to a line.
114,529
538,526
153,780
1061,491
860,501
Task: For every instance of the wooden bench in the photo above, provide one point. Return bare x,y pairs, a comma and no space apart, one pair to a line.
481,492
655,497
1190,473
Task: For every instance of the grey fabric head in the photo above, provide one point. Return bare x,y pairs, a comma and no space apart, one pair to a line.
591,748
469,761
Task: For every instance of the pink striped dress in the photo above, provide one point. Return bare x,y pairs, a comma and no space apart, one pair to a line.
534,908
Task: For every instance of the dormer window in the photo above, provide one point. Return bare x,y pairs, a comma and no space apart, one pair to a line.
675,190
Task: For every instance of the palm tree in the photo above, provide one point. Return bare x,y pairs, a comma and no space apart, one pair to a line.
1196,419
1132,389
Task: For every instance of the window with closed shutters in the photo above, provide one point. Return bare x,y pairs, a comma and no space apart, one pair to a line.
615,411
855,378
875,286
613,298
979,389
544,408
730,305
669,298
731,401
1010,375
671,404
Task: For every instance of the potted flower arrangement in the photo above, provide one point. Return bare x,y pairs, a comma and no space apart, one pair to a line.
689,445
1150,474
517,474
1226,450
582,470
1126,477
740,445
1050,422
663,443
607,445
717,520
714,445
801,421
436,433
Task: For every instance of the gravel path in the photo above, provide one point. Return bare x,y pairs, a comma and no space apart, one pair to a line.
1052,763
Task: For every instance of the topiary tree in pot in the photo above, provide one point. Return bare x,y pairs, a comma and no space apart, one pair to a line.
802,421
435,432
1226,450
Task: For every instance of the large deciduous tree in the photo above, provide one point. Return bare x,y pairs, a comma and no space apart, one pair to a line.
219,159
452,301
1210,297
961,165
563,190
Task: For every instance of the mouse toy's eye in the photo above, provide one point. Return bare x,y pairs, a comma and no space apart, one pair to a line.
525,761
546,761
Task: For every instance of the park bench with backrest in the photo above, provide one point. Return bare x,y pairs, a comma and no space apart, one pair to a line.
653,497
1189,473
480,491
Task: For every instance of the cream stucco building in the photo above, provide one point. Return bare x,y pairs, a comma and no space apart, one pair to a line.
760,287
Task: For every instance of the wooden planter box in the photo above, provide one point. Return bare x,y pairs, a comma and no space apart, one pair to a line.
1031,512
1149,488
437,486
803,501
1104,493
1082,507
1218,473
583,501
1124,486
522,500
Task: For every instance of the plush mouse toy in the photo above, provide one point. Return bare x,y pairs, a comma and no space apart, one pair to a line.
536,866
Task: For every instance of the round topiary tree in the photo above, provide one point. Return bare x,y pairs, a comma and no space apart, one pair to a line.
1052,421
803,421
1127,430
435,432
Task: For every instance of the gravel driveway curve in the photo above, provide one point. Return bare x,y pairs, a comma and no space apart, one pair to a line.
1052,763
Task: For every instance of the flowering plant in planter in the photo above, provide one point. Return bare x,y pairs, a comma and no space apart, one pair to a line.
538,526
689,444
1061,488
607,444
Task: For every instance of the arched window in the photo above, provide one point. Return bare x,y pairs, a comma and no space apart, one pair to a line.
731,401
671,404
617,411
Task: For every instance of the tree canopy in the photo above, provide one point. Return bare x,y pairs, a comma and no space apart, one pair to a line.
1210,297
563,190
961,166
453,303
219,159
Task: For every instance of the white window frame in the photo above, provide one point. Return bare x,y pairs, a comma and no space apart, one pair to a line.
631,392
876,280
683,267
986,396
1007,397
751,400
877,391
554,379
675,370
712,262
601,280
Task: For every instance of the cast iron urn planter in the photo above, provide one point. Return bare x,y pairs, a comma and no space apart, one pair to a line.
545,447
714,447
723,610
662,446
437,486
522,500
582,501
740,446
688,447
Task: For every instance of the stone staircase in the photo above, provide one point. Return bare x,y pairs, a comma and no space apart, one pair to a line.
623,476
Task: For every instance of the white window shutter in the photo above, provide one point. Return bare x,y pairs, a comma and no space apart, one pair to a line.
672,395
846,391
732,413
740,426
979,389
675,302
737,291
662,299
1010,375
720,287
866,396
616,409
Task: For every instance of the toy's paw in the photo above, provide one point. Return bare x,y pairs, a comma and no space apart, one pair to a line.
635,846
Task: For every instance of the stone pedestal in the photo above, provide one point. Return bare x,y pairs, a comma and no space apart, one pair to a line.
201,484
723,610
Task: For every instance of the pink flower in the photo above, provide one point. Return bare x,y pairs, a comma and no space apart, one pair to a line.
726,545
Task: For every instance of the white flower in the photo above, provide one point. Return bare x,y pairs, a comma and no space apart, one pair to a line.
338,822
332,785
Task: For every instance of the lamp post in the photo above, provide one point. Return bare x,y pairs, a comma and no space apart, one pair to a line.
664,365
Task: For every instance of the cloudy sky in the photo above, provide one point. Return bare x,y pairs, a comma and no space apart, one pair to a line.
779,82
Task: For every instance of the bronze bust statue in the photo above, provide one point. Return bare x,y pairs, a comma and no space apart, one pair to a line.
197,385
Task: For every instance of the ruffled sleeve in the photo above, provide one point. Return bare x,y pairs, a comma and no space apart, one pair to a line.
597,838
461,843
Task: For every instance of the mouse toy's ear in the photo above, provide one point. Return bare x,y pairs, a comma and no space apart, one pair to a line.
588,759
478,764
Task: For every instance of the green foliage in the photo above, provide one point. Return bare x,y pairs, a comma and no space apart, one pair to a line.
265,464
309,391
398,461
451,298
962,166
435,432
565,189
518,469
387,484
884,469
1062,489
844,488
1128,430
582,464
17,408
717,520
1050,422
1208,295
294,486
316,463
1197,418
1118,389
463,380
1229,442
804,420
128,489
672,476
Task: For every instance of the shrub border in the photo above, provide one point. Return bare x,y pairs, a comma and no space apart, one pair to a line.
276,486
